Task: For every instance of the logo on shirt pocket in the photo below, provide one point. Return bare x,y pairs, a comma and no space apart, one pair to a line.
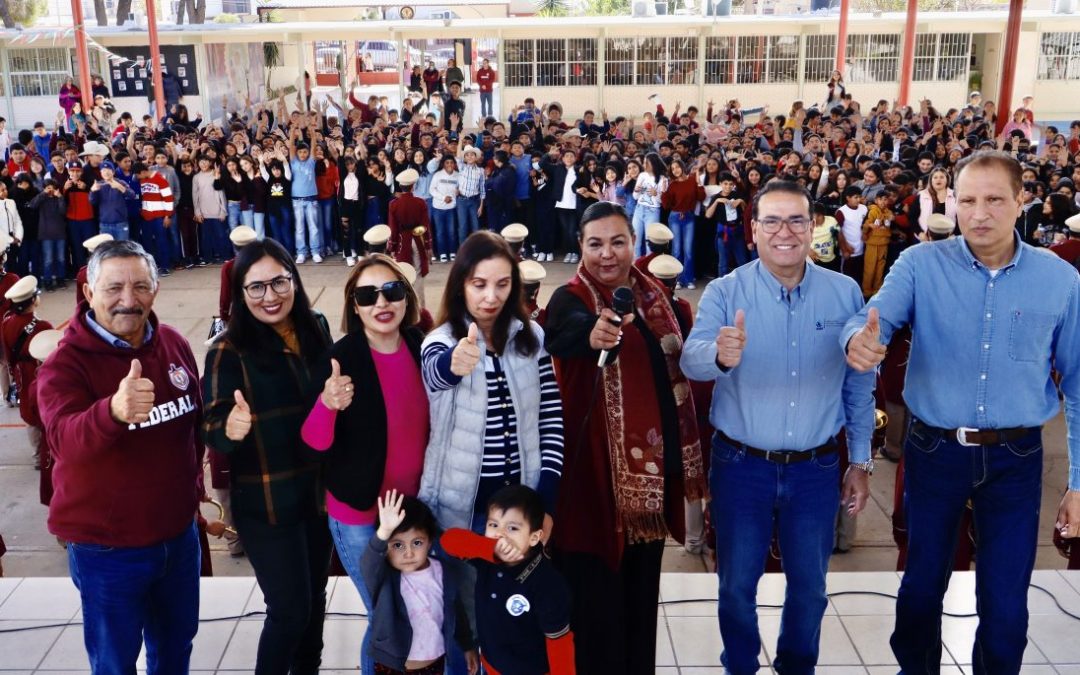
1030,336
517,604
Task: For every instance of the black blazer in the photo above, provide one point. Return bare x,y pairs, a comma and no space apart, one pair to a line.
356,461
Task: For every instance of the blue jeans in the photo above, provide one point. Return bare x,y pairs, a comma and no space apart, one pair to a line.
215,241
485,103
119,231
80,230
1004,483
129,594
326,225
258,221
156,242
752,497
735,245
682,246
444,222
233,212
468,218
280,229
643,217
52,266
306,212
351,541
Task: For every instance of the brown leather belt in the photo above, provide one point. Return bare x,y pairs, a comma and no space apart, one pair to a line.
970,437
783,457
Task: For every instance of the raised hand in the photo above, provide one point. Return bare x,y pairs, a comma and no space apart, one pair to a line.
134,397
731,341
238,424
390,513
337,393
466,354
864,350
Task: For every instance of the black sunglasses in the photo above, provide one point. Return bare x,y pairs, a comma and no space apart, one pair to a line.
366,296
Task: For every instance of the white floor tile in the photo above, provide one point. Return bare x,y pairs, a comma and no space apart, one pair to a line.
870,635
696,640
676,589
341,639
1041,603
7,585
26,649
891,670
840,670
1056,637
959,638
225,596
68,653
835,650
1073,669
665,655
346,599
210,644
52,598
862,582
243,646
960,597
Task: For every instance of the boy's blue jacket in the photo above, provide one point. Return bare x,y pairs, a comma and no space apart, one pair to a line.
111,204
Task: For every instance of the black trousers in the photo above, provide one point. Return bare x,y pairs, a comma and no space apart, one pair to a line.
568,229
614,612
291,564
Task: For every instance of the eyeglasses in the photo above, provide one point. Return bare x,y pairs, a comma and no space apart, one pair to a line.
366,296
280,285
797,225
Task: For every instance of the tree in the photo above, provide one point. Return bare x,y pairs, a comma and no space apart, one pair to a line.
195,10
607,7
552,8
123,8
100,13
22,12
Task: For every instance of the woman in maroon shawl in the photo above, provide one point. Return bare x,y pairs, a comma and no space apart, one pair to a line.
70,94
632,448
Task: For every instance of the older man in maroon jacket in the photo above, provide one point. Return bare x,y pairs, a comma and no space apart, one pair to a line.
121,403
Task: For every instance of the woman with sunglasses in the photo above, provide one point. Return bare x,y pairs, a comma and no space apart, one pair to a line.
376,442
488,377
256,381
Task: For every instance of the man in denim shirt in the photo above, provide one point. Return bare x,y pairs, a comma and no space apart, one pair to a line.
766,334
990,317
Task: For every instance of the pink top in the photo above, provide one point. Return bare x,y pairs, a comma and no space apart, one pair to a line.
406,432
422,592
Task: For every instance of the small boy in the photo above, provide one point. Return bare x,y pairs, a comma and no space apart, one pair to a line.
823,241
850,217
522,604
416,609
877,234
727,209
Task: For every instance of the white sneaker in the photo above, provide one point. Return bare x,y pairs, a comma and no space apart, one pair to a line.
316,258
350,261
453,257
551,257
442,258
575,258
678,285
301,259
566,258
690,286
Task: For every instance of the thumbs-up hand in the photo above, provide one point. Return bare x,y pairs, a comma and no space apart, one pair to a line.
238,425
864,350
466,354
731,341
134,397
338,391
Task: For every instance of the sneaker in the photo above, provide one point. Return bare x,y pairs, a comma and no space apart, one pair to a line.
350,261
316,258
161,272
453,257
442,258
538,257
575,258
690,286
551,257
566,258
678,285
189,265
201,263
301,259
433,259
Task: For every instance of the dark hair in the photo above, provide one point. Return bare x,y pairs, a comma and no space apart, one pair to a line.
599,210
852,191
993,158
246,332
782,186
523,498
480,246
350,322
417,516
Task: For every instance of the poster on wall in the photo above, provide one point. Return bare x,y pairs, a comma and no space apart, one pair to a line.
178,60
234,72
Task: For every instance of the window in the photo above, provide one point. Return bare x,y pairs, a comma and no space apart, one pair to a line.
873,58
763,59
820,58
651,61
651,55
39,72
1059,56
720,60
619,61
329,58
519,63
558,62
941,56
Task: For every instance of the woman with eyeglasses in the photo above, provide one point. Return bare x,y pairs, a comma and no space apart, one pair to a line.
256,381
488,377
371,419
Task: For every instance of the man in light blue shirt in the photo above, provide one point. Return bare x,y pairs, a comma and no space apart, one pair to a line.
304,196
990,317
767,334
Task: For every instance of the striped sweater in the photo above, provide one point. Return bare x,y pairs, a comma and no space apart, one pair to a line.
157,197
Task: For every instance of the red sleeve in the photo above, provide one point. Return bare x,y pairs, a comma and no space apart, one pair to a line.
73,420
465,544
560,654
839,217
699,195
355,103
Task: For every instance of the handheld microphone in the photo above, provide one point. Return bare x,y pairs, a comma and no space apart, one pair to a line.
622,302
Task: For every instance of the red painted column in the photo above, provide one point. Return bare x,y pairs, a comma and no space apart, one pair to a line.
155,60
841,36
1008,64
82,56
907,65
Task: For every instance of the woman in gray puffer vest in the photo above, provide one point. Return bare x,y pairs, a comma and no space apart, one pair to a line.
496,415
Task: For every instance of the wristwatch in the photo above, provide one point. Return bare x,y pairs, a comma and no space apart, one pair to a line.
867,466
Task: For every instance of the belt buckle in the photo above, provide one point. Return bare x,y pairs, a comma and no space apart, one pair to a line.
961,436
